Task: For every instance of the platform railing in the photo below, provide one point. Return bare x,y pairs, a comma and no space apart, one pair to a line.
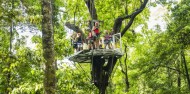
117,42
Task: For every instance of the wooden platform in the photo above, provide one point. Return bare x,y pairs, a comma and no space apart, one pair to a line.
85,56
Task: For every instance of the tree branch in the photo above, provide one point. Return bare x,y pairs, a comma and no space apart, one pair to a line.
93,14
73,27
133,15
91,9
174,69
118,21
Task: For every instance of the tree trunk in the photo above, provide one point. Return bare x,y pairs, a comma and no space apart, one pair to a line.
8,73
169,77
98,75
178,75
127,80
92,9
183,60
101,74
10,60
124,70
169,82
48,47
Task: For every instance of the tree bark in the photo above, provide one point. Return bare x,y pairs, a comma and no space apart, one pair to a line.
48,47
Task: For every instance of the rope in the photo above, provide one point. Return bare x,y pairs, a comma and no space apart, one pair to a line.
89,86
82,70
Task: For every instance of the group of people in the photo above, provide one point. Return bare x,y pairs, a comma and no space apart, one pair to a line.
94,41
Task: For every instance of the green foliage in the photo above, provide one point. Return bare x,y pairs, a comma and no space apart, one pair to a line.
152,58
75,80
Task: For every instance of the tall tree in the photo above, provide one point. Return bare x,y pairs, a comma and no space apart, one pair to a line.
48,47
8,73
179,31
124,69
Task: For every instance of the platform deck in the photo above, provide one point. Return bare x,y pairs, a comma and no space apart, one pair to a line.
85,56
